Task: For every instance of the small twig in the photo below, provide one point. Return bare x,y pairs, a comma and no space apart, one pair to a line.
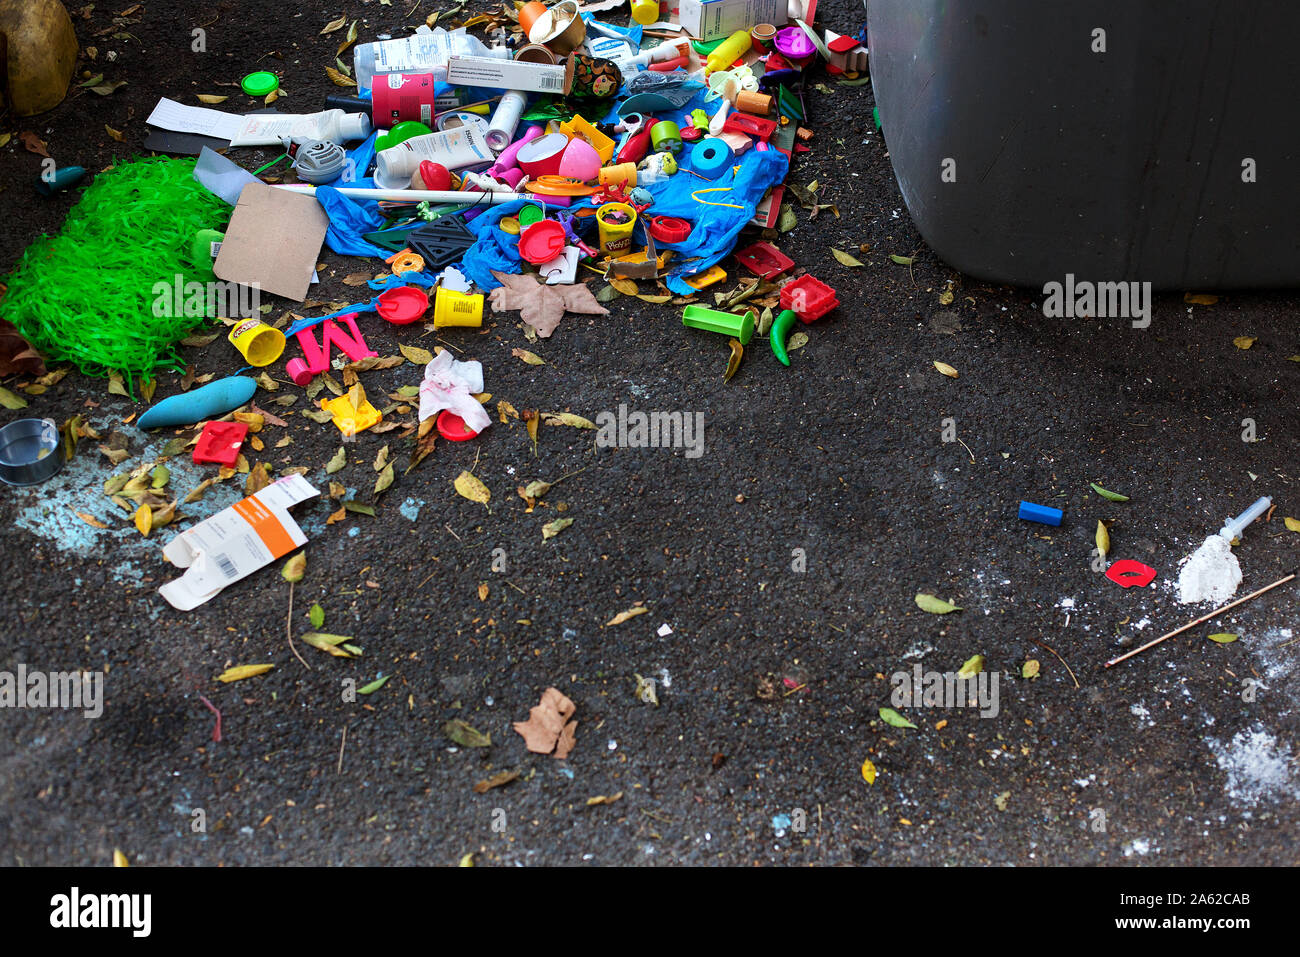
216,731
793,690
1058,658
453,534
342,744
515,587
968,451
1203,618
288,629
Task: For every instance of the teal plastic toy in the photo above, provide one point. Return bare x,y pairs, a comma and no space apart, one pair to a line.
214,399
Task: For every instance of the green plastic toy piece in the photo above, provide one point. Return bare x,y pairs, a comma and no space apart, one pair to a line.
705,47
781,327
260,83
724,323
787,104
700,120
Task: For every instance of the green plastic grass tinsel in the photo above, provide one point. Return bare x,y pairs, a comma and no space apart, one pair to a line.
88,294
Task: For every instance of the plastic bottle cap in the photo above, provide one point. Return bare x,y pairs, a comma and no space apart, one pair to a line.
669,229
542,241
530,214
260,83
400,133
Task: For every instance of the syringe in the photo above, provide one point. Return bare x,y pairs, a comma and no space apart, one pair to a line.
1233,527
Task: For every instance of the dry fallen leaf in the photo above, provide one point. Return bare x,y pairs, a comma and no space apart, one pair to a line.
240,672
471,488
549,727
623,616
946,369
532,358
1244,342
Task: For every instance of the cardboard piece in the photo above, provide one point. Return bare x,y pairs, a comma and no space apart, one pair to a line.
273,241
235,542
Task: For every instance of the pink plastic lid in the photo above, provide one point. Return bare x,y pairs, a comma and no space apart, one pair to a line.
542,241
403,305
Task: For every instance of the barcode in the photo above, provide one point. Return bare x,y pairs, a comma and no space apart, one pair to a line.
227,566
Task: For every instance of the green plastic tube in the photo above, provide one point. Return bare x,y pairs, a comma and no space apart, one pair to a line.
724,323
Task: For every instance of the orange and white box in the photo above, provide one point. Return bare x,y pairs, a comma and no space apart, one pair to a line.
235,542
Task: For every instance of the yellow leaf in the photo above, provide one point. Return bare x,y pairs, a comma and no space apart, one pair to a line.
338,78
144,520
240,672
295,568
471,488
115,134
733,361
532,358
96,523
623,616
945,298
1244,342
1292,524
212,98
845,258
257,479
333,25
253,420
467,860
417,355
868,771
1103,539
626,286
119,859
946,369
483,592
567,418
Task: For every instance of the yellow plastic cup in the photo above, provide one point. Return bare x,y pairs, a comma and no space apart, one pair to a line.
615,237
624,174
258,343
452,308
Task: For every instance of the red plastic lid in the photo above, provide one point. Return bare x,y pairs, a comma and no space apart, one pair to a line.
403,305
669,229
691,133
453,428
542,241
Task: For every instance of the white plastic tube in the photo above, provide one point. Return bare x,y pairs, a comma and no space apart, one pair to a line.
436,196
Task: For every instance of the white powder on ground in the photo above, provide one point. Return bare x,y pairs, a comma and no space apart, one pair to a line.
1211,574
1257,765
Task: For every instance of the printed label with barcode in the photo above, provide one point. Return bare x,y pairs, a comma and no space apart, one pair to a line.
227,566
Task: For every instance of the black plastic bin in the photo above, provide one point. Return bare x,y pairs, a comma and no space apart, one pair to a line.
1129,164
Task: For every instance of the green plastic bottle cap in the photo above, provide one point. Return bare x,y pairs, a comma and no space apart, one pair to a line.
260,83
530,214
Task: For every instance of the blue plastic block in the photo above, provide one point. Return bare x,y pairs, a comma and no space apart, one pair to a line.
1041,514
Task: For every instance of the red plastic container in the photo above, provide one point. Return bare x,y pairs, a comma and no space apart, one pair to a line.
809,298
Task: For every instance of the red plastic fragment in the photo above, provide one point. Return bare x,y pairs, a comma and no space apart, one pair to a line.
219,442
764,260
1129,573
809,298
749,125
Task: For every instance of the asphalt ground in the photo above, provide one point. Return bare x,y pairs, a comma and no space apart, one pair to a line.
785,559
